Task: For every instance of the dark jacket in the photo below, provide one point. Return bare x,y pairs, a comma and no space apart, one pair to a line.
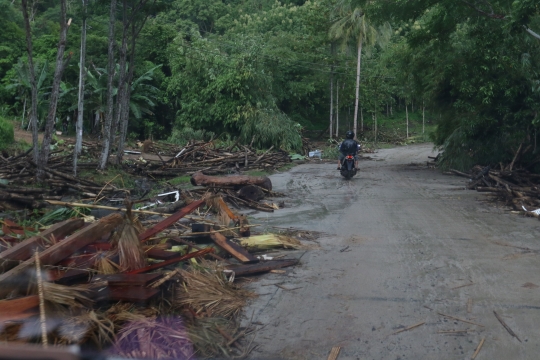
349,146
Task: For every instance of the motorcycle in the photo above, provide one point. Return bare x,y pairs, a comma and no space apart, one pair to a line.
348,170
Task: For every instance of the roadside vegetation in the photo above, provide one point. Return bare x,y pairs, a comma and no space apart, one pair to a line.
267,73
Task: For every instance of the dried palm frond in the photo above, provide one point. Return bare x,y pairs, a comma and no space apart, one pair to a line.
73,296
270,241
206,291
56,294
103,263
151,338
88,326
126,242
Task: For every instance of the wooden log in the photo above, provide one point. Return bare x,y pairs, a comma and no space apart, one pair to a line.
264,266
170,220
238,252
65,248
235,180
24,250
17,309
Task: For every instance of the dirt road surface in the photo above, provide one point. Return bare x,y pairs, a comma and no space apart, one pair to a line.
416,244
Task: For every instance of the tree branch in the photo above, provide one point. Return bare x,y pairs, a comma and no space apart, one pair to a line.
491,14
532,32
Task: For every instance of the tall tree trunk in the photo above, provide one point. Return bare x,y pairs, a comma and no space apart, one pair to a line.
358,66
135,31
407,117
331,101
110,91
362,118
33,85
423,117
376,130
337,109
23,113
122,84
55,90
80,106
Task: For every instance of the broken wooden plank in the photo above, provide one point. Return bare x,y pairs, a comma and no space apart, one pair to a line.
334,353
128,280
65,248
458,319
131,293
238,252
409,328
25,249
171,261
170,220
478,348
160,254
264,266
510,331
20,308
67,277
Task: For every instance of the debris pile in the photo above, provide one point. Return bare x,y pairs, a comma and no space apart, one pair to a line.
517,188
165,290
21,170
198,156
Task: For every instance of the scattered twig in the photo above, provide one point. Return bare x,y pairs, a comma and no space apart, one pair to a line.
409,328
459,319
460,286
510,331
344,249
478,348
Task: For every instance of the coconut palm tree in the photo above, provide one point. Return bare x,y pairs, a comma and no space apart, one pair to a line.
352,26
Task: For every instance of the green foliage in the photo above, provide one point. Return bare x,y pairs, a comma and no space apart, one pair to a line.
184,135
62,214
272,128
7,135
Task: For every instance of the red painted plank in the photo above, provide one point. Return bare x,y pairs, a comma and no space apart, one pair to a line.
170,220
70,245
25,249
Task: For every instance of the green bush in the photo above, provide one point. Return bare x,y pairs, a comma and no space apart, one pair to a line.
7,135
182,136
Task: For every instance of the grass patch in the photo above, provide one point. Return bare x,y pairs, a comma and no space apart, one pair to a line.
17,147
180,180
113,175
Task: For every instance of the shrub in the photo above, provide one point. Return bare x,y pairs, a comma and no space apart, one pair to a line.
7,135
182,136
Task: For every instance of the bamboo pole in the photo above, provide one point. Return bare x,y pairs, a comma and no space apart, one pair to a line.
42,318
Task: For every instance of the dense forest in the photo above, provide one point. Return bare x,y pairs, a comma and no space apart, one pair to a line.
263,71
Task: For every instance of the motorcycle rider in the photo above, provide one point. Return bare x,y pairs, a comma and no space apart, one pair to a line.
348,146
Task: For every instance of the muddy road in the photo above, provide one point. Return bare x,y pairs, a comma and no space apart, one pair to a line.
417,244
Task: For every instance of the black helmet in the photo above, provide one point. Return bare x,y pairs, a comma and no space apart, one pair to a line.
349,135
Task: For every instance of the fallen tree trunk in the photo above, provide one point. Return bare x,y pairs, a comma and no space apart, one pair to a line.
236,180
